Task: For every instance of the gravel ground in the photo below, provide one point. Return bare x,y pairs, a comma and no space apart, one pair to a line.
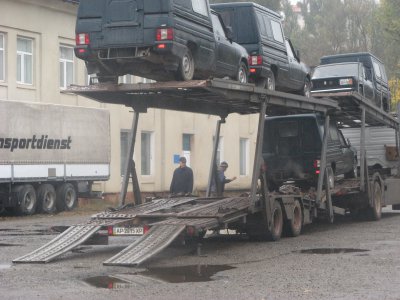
231,266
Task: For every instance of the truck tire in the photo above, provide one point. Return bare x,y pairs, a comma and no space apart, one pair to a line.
25,199
46,195
353,173
66,197
242,73
375,212
270,82
293,227
307,88
277,222
185,70
331,178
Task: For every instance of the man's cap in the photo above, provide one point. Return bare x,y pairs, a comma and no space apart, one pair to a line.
223,164
182,159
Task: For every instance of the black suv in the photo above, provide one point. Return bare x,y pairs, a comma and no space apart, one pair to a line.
342,77
292,150
273,61
160,40
375,72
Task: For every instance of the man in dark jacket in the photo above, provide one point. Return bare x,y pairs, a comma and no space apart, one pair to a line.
182,180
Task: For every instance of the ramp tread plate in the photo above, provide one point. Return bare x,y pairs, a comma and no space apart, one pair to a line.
158,238
69,239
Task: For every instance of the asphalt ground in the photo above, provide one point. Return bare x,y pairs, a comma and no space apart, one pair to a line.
345,260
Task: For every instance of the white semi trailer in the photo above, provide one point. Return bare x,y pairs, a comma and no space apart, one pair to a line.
50,155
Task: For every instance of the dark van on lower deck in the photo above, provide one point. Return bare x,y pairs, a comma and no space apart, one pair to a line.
292,150
273,61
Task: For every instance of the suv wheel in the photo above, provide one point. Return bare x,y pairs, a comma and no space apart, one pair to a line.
186,66
242,73
331,178
307,88
270,82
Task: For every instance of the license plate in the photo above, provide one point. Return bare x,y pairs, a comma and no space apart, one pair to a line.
127,230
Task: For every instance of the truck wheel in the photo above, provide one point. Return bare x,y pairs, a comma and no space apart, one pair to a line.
46,198
375,212
277,222
25,199
295,225
66,197
186,66
242,73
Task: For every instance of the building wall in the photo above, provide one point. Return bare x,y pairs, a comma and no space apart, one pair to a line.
51,23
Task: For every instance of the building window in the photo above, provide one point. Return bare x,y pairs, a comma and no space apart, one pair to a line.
186,142
220,151
147,153
2,58
24,60
66,66
244,156
124,137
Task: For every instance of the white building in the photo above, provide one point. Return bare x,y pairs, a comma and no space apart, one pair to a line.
37,62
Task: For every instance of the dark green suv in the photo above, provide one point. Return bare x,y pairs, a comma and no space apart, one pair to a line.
292,150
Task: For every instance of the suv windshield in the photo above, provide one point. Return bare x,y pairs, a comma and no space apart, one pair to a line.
350,69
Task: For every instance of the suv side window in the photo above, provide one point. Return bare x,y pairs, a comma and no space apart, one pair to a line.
377,70
277,31
333,132
200,6
218,30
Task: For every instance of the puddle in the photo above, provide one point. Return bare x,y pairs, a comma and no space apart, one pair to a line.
193,273
330,250
9,245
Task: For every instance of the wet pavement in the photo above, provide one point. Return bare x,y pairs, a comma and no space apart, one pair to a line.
345,260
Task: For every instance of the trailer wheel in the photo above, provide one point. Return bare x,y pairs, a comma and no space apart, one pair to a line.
46,198
277,222
375,212
66,197
25,199
185,70
294,226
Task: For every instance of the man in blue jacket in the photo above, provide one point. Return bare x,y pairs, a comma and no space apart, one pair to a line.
182,180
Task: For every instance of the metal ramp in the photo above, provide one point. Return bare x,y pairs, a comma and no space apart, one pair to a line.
154,241
78,234
69,239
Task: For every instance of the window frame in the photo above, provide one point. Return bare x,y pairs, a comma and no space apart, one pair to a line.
24,54
275,26
200,7
3,57
244,158
151,153
64,62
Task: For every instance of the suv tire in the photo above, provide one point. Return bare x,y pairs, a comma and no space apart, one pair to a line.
186,66
307,88
242,73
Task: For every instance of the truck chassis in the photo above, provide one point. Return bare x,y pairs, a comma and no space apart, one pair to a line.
261,214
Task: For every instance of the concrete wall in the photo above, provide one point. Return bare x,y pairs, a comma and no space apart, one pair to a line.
51,23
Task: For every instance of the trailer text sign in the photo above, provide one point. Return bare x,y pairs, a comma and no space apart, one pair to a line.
48,133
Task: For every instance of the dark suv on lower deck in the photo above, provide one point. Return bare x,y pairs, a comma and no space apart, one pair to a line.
292,150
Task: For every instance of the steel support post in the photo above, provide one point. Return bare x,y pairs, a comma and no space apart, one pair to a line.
130,169
329,205
362,151
322,166
257,160
397,129
213,167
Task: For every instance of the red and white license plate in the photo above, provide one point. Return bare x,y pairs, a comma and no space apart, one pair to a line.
128,230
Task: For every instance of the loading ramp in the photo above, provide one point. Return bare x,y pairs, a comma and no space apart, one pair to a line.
170,217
